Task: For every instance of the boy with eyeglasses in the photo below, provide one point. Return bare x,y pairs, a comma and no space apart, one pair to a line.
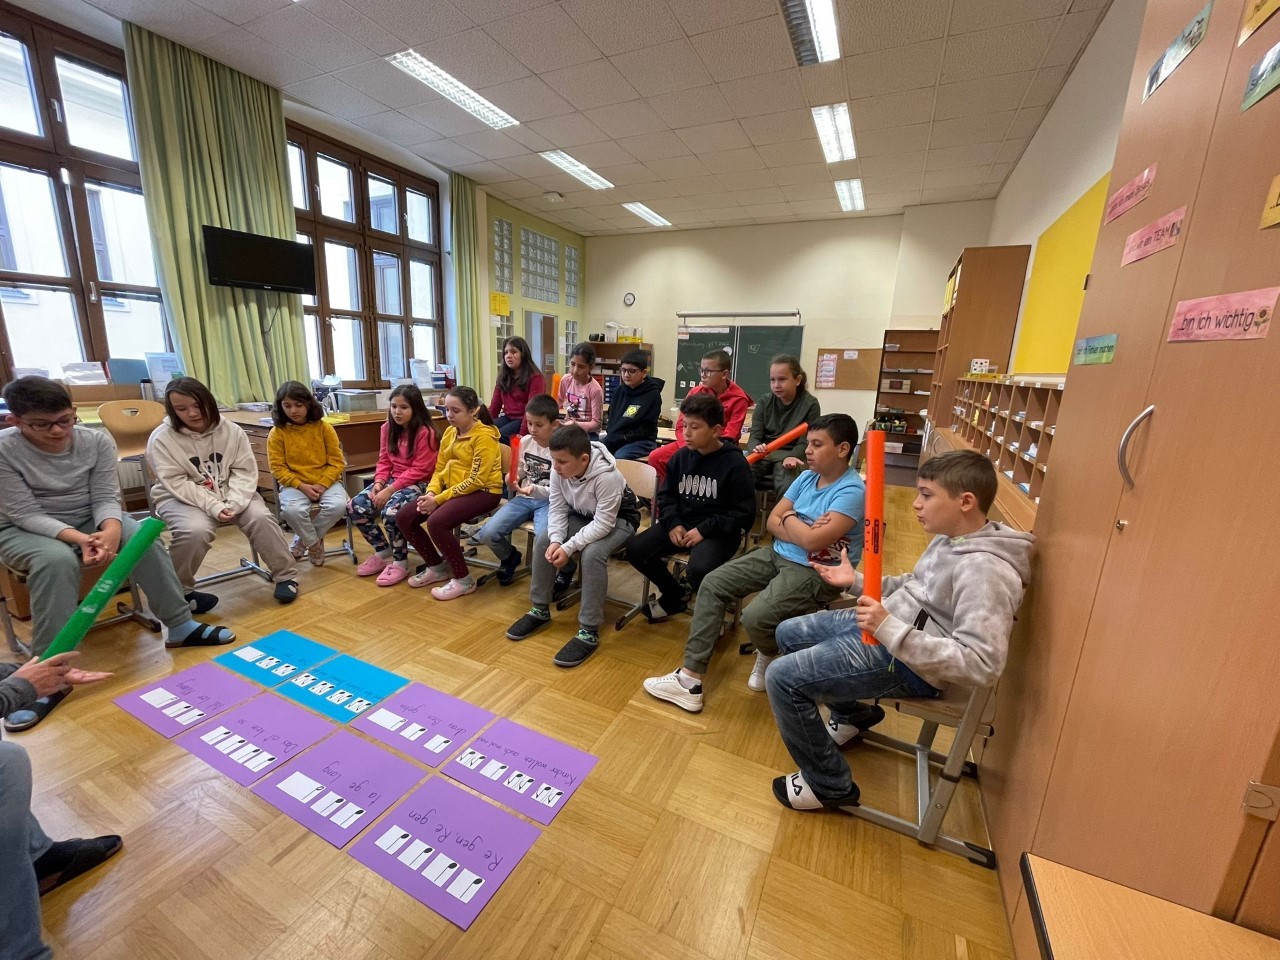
631,431
60,511
716,382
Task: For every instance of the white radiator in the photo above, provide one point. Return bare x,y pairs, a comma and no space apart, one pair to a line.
130,473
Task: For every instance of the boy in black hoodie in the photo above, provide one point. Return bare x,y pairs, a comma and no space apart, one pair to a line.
705,505
631,431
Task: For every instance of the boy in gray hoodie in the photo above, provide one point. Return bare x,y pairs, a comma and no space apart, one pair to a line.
592,513
969,582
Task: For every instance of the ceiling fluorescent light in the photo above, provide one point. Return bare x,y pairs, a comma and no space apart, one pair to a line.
815,37
576,169
644,213
451,88
835,132
849,193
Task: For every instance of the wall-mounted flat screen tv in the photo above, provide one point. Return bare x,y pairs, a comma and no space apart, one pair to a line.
236,259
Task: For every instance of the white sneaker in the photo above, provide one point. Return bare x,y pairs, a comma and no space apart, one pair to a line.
670,688
756,680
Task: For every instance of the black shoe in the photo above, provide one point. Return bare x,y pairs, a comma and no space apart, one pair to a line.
584,643
656,611
564,581
508,567
529,624
286,591
201,602
67,859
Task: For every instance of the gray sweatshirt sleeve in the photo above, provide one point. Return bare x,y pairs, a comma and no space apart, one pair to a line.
104,482
987,593
14,692
609,490
21,508
557,513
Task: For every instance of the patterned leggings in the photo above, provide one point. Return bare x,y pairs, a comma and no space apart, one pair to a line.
364,515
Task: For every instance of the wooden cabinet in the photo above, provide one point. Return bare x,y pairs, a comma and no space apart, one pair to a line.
903,392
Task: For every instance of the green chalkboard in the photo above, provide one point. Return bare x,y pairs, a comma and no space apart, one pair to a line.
752,347
691,344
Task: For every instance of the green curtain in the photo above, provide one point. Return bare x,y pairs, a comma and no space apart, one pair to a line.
466,271
212,150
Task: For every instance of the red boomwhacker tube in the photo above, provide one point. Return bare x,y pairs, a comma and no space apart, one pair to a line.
873,526
789,437
515,461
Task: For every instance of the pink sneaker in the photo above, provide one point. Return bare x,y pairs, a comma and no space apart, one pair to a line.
427,577
373,564
392,574
454,588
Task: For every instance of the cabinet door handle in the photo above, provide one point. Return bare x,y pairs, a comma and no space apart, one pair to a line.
1122,451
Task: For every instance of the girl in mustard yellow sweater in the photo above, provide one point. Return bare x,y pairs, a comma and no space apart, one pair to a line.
467,483
306,460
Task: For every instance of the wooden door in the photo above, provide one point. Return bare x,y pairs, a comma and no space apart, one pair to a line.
1174,707
1082,489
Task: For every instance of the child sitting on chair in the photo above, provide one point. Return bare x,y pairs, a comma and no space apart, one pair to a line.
581,397
969,582
406,457
531,498
518,380
819,515
206,475
705,504
306,460
716,382
788,405
593,512
467,483
631,431
59,511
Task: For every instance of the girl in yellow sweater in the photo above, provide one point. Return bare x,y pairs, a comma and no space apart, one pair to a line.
306,459
466,484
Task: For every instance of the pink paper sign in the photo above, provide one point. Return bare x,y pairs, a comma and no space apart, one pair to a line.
178,702
1154,237
1233,316
1131,194
423,723
250,741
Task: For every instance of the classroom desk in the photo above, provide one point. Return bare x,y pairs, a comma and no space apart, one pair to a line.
1082,917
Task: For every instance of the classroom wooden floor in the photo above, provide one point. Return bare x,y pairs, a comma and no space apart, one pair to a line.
673,848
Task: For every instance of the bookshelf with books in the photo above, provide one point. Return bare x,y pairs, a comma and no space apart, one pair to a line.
906,372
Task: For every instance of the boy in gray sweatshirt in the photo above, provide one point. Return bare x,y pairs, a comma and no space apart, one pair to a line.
968,582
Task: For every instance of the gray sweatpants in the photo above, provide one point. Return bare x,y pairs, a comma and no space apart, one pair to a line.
22,843
193,532
594,563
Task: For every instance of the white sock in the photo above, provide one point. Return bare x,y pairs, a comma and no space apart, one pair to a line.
687,681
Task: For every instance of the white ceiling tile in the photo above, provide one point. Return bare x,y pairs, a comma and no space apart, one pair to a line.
730,214
801,173
1045,86
746,49
870,25
654,191
762,195
486,11
662,68
527,165
845,170
710,201
386,84
484,173
817,206
685,108
398,128
732,161
568,130
793,154
893,164
544,39
604,154
557,180
998,171
989,53
682,218
1026,122
949,194
989,191
968,16
627,174
809,191
959,177
894,140
527,99
1088,4
887,201
617,26
445,118
1011,150
259,58
746,179
824,83
333,96
447,153
891,71
892,183
768,209
310,38
951,158
708,137
780,128
628,119
765,93
654,146
520,189
531,139
699,16
673,168
594,84
694,186
242,11
983,128
475,58
178,20
891,109
971,97
1071,38
491,144
350,22
413,22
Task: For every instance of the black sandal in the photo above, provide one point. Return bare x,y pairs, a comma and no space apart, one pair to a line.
29,715
205,635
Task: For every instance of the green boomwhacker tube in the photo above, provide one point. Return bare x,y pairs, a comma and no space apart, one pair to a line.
108,585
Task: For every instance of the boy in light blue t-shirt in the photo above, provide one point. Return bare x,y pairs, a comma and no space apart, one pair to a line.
820,515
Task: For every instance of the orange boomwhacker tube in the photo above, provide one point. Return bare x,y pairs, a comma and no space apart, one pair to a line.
873,526
515,461
789,437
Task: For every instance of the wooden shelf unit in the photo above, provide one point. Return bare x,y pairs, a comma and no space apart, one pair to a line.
908,355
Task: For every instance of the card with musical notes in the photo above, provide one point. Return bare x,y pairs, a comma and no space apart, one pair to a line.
275,658
342,688
249,741
423,723
179,702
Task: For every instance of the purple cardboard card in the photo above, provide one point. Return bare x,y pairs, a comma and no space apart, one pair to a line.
446,848
340,786
423,723
178,702
254,738
527,771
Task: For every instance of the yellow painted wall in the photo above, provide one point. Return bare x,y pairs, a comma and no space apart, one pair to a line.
1055,294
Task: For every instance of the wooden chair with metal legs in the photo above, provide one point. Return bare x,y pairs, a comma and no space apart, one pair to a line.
130,423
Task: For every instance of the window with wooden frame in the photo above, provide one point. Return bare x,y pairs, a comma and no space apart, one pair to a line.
376,229
77,270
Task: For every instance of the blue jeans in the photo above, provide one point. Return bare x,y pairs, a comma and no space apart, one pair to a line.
822,659
635,450
496,533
